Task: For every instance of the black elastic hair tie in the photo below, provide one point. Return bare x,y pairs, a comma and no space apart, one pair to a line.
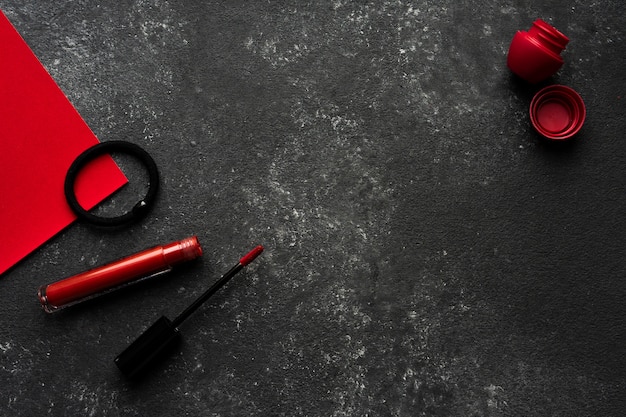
140,209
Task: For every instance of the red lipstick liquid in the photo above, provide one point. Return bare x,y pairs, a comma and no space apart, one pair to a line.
128,270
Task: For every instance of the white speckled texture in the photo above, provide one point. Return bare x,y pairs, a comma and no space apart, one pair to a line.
427,254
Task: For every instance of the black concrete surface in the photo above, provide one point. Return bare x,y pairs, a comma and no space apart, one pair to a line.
427,253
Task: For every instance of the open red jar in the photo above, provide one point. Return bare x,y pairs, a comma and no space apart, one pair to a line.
557,112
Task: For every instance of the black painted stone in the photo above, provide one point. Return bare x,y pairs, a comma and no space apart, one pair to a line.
427,254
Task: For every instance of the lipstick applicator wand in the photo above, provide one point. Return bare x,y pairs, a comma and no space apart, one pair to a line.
161,337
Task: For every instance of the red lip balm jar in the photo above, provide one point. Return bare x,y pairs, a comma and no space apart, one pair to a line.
536,55
557,112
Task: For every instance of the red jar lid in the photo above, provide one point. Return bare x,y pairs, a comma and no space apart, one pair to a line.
557,112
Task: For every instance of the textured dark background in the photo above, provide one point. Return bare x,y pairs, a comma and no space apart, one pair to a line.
427,254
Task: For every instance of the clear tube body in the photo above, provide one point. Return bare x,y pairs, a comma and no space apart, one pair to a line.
133,268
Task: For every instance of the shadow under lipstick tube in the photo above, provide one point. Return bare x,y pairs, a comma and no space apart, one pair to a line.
134,268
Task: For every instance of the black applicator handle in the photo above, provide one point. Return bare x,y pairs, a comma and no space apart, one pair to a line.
160,338
153,345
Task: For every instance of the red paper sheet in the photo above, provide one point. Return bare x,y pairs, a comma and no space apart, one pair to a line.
40,136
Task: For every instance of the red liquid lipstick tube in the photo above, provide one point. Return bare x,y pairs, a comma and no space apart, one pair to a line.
108,277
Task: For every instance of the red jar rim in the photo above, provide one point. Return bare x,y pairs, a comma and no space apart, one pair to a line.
557,112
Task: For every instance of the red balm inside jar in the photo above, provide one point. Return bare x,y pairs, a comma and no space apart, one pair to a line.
557,112
536,55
